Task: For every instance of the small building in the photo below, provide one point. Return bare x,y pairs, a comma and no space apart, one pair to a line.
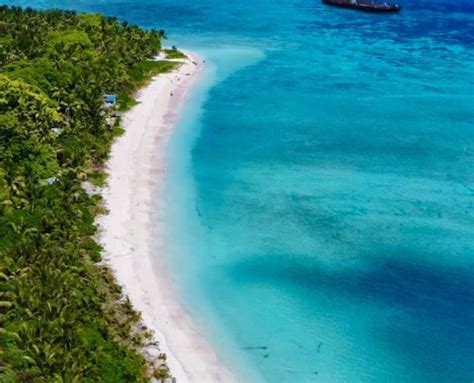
110,100
51,180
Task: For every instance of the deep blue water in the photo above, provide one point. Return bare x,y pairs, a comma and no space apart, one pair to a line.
320,186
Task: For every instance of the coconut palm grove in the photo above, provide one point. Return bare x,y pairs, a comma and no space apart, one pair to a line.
62,317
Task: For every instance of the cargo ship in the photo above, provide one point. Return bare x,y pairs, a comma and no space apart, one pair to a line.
365,6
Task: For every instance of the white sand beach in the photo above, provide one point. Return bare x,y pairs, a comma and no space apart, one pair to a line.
136,170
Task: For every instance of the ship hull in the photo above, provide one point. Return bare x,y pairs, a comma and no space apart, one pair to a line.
364,7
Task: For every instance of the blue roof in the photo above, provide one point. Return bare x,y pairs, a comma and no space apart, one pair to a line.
110,98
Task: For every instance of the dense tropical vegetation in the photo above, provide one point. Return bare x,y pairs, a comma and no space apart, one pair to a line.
62,317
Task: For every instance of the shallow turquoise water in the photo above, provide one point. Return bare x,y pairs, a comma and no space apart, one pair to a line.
321,185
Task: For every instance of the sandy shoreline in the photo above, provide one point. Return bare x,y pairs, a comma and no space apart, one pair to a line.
136,171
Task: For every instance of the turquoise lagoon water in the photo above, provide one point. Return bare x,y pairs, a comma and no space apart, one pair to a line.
320,188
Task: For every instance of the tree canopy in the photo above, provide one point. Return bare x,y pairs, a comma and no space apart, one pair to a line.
62,317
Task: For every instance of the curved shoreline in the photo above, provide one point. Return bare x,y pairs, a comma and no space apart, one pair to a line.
137,167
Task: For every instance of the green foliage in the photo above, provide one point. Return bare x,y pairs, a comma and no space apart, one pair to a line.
26,136
67,40
142,71
125,102
62,317
118,131
174,54
97,178
93,20
41,73
140,74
